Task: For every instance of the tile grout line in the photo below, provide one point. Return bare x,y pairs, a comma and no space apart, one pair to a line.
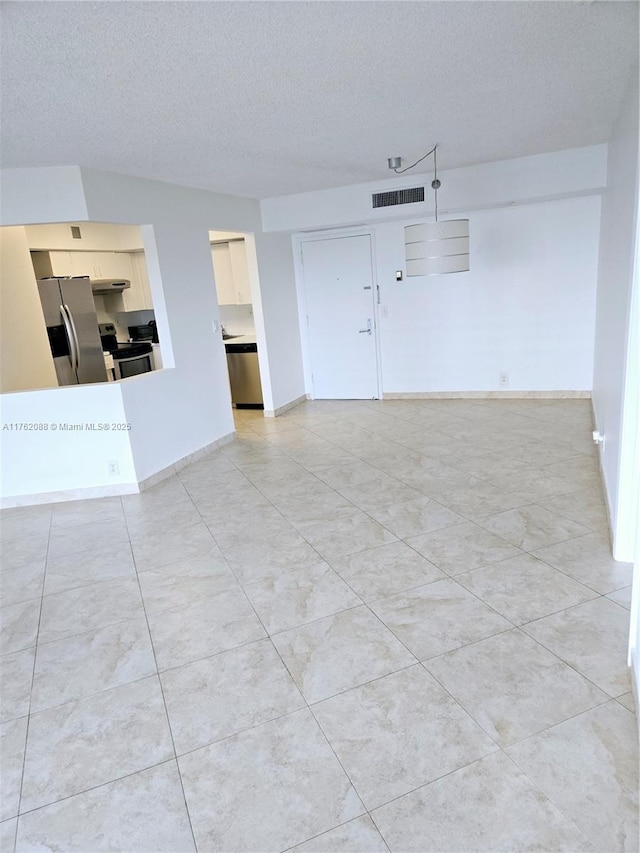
323,560
605,701
310,709
477,597
534,784
35,659
304,699
269,636
167,761
164,704
416,663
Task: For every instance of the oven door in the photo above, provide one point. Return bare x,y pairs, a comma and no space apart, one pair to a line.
126,367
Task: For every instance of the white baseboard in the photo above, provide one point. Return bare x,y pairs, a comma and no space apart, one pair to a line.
635,684
119,489
603,479
273,413
486,395
635,676
86,493
181,463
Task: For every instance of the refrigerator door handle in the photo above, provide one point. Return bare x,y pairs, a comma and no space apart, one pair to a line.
66,319
75,336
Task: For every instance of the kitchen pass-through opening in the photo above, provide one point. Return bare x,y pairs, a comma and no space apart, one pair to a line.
79,307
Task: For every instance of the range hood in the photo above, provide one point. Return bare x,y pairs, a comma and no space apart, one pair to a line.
101,286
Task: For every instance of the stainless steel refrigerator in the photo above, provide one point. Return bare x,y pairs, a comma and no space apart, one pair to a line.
72,327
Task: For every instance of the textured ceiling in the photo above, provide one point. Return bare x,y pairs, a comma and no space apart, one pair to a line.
267,98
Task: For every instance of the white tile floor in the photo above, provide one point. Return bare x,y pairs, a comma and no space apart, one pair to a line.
363,626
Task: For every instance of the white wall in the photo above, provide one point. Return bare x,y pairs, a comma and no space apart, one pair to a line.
543,177
616,386
617,249
25,356
177,411
526,307
280,317
46,194
181,410
237,319
57,462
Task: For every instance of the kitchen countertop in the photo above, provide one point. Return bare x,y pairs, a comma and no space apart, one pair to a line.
242,339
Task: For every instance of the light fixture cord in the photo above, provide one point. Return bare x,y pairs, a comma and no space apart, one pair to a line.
435,183
400,171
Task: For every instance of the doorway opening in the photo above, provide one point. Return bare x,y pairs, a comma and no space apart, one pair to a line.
238,295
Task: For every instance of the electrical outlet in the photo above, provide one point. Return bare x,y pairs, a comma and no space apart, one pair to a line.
113,468
504,380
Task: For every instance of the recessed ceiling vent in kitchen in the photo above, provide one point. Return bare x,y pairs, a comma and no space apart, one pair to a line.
389,199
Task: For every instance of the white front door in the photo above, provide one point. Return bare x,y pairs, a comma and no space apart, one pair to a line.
340,300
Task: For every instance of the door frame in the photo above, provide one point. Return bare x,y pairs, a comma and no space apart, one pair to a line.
626,534
330,234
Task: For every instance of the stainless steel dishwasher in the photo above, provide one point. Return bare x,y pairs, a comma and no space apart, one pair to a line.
244,376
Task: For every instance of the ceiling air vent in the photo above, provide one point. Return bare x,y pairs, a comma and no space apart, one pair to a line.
408,196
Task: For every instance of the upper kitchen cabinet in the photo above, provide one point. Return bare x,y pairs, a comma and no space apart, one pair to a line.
223,274
102,264
94,249
138,297
231,272
240,271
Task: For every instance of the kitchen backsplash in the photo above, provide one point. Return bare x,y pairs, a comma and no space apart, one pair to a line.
137,318
237,319
121,319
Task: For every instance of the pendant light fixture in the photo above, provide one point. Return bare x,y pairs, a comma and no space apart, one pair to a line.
434,248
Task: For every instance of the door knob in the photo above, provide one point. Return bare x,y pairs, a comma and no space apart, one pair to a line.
366,331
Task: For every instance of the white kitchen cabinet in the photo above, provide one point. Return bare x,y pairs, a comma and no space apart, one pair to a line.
138,296
129,265
231,273
223,274
102,264
46,264
61,263
140,281
93,264
81,263
240,271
